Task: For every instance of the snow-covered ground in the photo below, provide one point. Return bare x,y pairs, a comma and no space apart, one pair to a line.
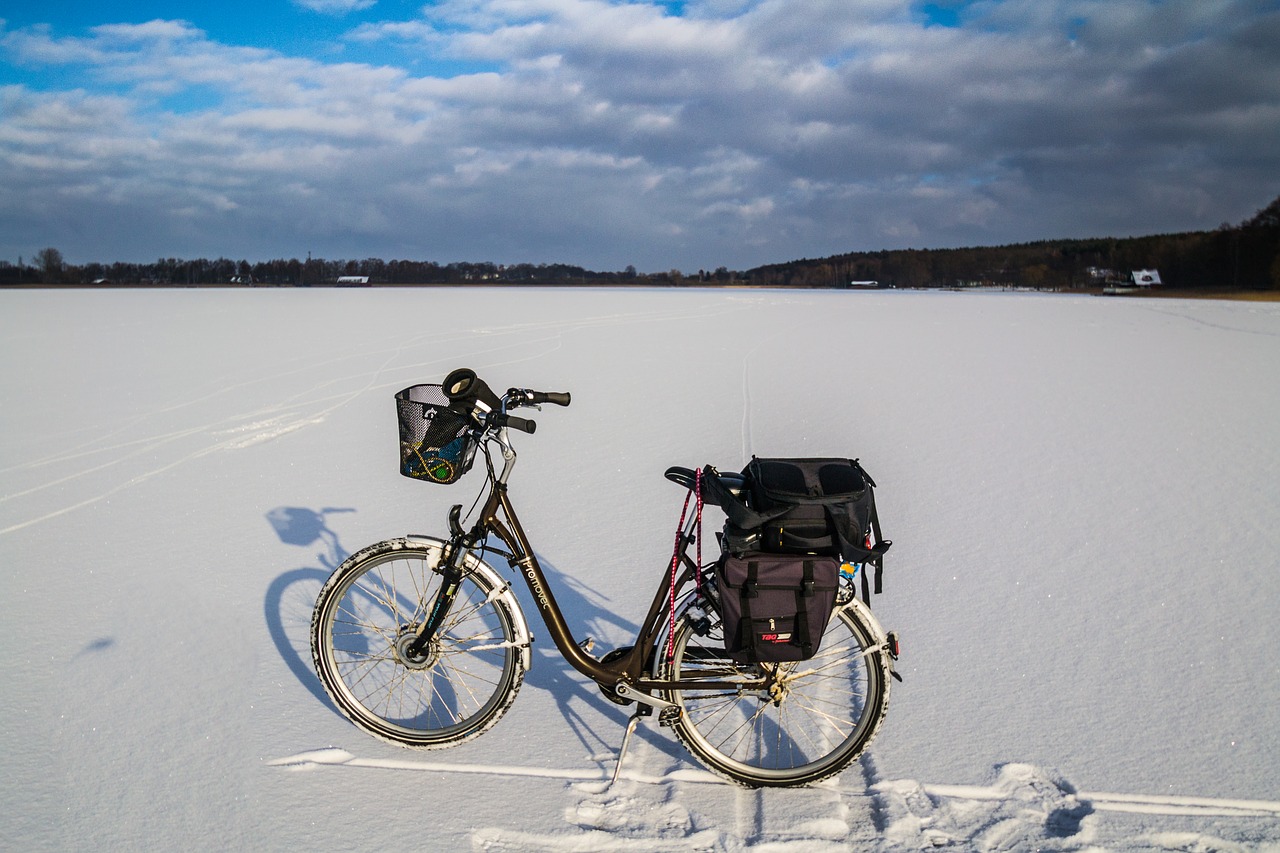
1084,495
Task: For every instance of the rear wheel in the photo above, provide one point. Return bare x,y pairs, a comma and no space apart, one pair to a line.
366,618
818,717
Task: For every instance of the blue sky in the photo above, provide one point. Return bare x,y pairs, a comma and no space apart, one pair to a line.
685,135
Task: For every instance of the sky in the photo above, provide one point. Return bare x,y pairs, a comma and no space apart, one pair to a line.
682,135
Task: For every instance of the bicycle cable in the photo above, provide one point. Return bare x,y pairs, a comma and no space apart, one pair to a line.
488,464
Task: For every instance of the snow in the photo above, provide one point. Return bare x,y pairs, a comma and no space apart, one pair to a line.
1084,496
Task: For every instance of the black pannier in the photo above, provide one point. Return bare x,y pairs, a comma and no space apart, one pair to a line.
823,507
821,501
791,525
775,607
803,506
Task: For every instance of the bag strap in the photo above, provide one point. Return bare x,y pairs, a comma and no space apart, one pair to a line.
800,630
882,545
871,555
740,515
750,589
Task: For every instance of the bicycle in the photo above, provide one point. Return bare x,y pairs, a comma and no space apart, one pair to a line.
420,642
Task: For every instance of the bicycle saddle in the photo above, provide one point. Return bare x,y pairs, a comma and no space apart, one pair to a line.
732,483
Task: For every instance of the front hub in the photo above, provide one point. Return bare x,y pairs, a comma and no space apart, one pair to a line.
425,659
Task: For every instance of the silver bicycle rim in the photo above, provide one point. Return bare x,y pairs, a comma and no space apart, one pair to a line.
455,691
830,708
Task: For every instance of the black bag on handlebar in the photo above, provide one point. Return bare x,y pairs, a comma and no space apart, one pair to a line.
775,607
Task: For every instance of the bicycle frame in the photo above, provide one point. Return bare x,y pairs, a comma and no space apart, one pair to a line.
421,642
625,674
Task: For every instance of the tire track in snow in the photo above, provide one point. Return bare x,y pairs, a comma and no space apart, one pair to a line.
231,432
95,451
748,438
1026,807
1168,311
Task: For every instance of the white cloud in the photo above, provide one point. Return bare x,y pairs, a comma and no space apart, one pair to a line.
157,30
335,7
615,133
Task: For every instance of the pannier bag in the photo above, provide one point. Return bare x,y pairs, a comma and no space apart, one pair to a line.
811,506
775,607
823,507
803,506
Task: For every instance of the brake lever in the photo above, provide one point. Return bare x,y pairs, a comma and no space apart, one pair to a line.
521,398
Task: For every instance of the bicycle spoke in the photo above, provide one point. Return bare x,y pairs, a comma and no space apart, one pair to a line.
813,721
462,681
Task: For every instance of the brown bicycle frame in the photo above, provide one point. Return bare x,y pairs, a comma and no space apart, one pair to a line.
628,668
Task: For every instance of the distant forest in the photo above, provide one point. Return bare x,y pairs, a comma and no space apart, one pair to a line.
1239,257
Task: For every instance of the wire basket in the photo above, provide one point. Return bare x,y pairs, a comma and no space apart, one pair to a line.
435,442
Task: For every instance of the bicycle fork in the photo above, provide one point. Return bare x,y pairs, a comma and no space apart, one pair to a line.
451,562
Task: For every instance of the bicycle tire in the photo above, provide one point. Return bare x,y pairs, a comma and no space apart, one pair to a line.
467,679
828,709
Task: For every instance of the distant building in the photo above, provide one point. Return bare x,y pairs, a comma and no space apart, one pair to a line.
1146,278
864,284
353,279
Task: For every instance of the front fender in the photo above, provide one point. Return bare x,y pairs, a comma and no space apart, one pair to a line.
498,586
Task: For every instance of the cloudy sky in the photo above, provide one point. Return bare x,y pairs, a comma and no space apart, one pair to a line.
605,133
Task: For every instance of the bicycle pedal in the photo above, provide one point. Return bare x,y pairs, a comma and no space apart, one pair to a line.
668,717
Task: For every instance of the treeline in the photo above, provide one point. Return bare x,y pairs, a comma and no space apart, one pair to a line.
48,267
1242,257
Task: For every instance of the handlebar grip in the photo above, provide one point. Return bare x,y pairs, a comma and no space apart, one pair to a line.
558,398
522,424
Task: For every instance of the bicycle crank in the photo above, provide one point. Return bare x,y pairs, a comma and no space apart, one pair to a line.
610,691
626,691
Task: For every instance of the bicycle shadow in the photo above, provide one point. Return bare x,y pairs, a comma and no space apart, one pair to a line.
291,597
588,614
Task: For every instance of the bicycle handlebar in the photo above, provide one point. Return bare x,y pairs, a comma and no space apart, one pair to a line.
467,390
517,397
513,422
527,397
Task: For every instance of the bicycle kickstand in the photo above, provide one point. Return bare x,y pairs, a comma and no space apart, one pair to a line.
626,741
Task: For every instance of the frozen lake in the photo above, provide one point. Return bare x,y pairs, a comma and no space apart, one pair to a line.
1084,496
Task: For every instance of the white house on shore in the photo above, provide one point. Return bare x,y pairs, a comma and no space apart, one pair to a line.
1146,278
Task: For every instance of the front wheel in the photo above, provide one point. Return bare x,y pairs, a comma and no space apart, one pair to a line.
365,619
817,719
